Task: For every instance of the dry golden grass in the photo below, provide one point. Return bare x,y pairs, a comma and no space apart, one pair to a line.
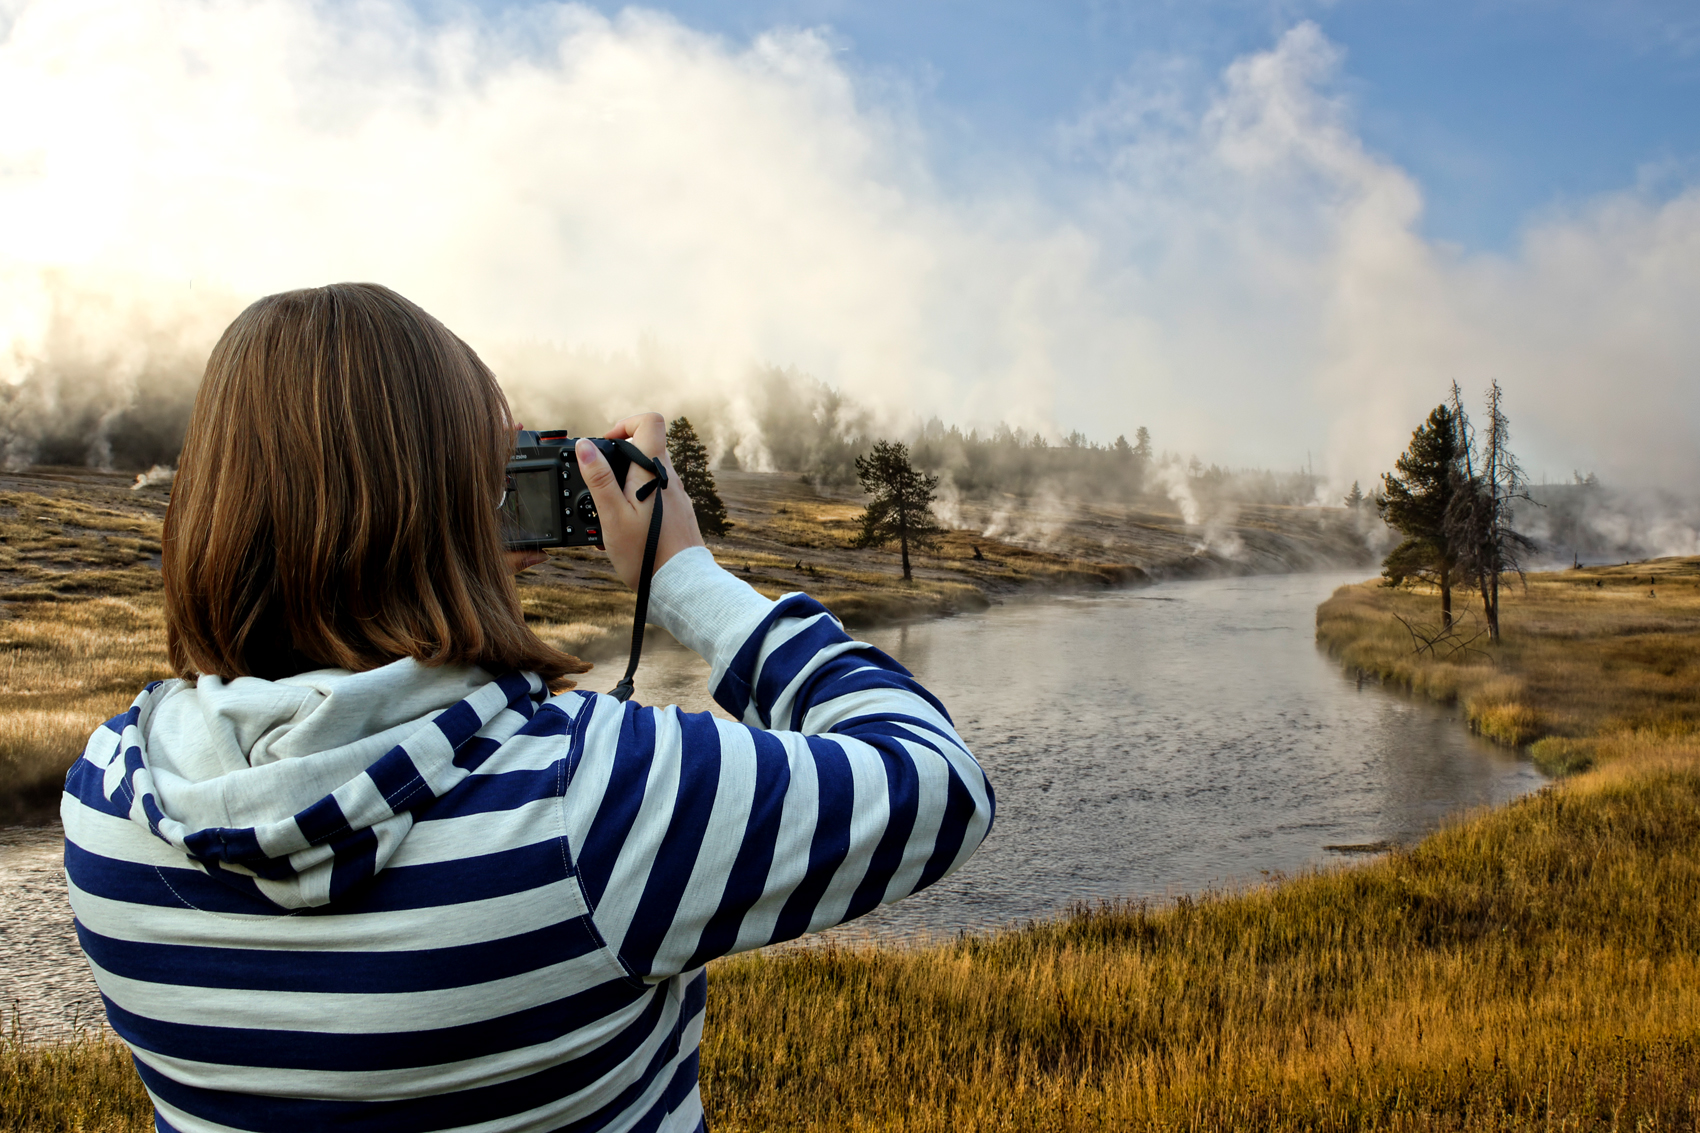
925,598
82,630
802,542
64,667
819,524
64,547
87,1085
818,535
1590,658
1533,968
549,609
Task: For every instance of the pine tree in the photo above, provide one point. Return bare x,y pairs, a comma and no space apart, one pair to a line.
1415,502
901,507
689,457
1355,497
1132,462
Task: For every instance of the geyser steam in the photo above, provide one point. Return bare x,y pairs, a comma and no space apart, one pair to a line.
632,206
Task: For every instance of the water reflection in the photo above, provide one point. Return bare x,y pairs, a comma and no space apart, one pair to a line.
45,988
1167,740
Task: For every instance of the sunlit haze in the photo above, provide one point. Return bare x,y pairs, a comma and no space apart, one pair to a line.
1226,235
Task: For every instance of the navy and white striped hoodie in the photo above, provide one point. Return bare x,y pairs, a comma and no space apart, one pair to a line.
425,899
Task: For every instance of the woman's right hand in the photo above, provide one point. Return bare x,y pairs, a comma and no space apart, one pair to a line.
625,522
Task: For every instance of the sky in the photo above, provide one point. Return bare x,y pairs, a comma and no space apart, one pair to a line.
1272,232
1500,109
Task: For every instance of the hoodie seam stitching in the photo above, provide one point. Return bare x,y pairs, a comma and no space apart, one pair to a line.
414,786
588,917
188,904
125,787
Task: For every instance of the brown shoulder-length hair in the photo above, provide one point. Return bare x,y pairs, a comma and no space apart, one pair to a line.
335,503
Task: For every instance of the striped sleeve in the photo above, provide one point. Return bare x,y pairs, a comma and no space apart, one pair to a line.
843,786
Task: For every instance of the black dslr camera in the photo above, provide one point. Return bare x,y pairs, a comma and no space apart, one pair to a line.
546,503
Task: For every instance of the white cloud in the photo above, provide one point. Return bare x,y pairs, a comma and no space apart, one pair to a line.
627,179
1280,266
670,208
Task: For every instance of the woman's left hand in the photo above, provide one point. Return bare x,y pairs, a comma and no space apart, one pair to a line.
625,522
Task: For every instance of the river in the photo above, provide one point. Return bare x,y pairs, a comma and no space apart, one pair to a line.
1142,743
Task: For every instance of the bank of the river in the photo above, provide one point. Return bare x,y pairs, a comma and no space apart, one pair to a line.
790,534
1595,663
1533,967
81,625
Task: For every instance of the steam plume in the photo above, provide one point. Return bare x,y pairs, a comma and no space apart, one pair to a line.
620,213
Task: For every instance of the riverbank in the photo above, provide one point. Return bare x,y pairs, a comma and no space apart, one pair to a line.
1596,664
790,534
1531,968
81,622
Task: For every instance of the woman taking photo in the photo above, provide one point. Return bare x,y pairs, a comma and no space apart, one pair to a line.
371,862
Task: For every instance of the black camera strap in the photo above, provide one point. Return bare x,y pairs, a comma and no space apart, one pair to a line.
623,690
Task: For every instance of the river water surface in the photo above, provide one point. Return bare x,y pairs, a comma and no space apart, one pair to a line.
1142,743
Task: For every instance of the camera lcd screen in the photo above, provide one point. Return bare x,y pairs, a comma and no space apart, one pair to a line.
532,510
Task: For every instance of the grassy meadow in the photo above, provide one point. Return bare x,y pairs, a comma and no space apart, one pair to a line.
81,625
1595,663
84,631
1534,967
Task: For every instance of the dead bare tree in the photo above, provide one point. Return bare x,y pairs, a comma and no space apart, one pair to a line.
1452,641
1489,485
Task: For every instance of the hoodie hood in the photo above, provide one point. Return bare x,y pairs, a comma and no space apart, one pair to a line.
300,789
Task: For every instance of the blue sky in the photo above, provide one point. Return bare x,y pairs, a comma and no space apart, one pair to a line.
1500,109
1260,228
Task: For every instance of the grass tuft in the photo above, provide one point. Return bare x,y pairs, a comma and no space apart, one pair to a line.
1559,756
85,1086
65,666
1510,723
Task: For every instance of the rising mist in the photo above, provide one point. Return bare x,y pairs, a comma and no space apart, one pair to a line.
625,211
